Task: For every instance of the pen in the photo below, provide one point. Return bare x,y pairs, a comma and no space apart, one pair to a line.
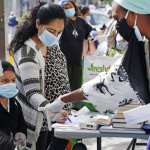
69,119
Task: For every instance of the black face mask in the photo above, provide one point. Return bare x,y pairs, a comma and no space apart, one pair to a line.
124,29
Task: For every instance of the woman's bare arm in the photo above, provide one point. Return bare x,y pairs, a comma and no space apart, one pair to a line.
73,96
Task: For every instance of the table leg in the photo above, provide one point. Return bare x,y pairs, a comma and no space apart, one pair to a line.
99,143
132,144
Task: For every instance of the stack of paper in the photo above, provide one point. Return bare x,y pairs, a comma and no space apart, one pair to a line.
119,121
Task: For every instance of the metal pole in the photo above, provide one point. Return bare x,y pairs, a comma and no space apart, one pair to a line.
2,30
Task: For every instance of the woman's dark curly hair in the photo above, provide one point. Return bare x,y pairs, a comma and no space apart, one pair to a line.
44,13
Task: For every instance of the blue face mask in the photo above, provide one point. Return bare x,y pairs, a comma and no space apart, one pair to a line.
48,39
70,12
8,90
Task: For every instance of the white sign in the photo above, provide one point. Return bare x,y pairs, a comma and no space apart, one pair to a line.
93,65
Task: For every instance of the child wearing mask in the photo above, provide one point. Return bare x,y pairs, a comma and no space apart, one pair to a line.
12,126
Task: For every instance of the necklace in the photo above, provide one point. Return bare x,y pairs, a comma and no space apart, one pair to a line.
74,32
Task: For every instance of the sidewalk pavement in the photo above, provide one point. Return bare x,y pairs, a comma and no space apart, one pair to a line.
113,144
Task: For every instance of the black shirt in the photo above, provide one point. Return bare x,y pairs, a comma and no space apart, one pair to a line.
72,46
12,121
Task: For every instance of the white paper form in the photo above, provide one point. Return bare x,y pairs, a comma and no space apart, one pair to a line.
74,119
137,115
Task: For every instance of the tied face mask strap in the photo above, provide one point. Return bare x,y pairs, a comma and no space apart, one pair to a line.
126,16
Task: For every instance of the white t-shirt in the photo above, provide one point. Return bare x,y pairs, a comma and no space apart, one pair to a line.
106,90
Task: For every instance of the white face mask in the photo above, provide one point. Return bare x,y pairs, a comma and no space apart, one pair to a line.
8,90
137,31
70,12
48,39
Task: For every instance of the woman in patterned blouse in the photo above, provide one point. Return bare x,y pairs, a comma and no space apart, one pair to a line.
34,43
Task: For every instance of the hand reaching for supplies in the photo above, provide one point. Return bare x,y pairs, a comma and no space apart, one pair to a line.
53,107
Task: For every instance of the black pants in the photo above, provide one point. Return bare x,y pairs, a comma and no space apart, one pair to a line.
75,79
75,76
6,141
47,141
